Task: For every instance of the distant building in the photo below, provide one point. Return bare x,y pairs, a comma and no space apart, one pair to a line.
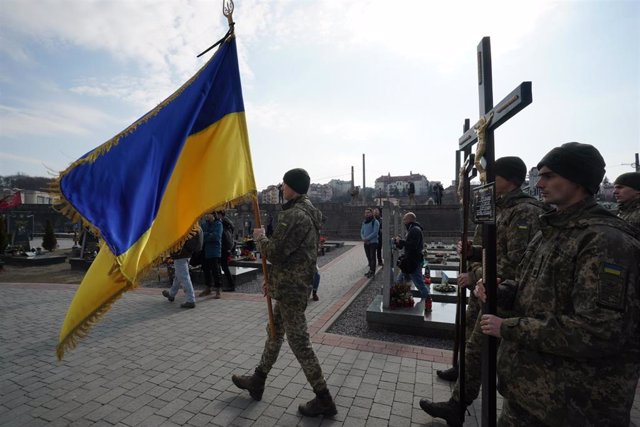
530,185
269,195
320,192
397,185
30,197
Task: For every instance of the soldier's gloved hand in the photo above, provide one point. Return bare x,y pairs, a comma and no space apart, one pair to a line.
258,232
490,325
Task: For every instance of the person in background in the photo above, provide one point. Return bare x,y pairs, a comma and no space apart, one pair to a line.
378,216
212,231
369,234
227,248
411,267
316,284
181,269
626,190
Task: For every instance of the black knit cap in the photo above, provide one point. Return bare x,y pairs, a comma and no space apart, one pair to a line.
512,169
579,163
298,180
629,179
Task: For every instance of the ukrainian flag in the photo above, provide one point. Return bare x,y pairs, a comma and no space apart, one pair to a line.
143,191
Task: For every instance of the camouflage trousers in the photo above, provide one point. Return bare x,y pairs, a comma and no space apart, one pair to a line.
289,320
514,416
473,354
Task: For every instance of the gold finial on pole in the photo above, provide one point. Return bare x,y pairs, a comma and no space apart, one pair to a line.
227,10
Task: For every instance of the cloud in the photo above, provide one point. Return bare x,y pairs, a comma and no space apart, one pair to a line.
433,32
50,118
21,159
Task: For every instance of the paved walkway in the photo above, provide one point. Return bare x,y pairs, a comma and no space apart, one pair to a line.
150,363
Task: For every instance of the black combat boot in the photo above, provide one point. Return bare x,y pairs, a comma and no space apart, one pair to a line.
448,411
253,383
322,404
450,374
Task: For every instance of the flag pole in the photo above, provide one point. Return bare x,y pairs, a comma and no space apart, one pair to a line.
265,271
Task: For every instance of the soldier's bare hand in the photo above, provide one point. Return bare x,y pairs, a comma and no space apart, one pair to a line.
463,280
490,325
480,292
258,232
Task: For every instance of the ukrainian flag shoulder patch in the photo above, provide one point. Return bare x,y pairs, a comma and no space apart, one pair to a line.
612,287
612,269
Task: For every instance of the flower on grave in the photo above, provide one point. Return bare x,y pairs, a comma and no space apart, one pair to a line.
401,296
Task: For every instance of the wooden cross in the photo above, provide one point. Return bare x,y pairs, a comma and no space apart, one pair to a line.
518,99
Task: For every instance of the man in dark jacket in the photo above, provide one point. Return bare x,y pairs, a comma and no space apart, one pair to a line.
181,269
411,265
227,247
212,230
293,252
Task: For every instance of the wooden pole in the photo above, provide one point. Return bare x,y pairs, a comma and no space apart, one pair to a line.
265,271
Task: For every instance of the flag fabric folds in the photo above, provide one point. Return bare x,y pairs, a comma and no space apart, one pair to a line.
12,201
143,191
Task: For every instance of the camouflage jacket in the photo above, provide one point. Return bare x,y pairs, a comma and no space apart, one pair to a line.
517,217
572,357
293,251
630,212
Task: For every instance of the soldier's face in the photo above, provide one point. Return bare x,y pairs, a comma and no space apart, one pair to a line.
623,194
287,192
558,190
503,186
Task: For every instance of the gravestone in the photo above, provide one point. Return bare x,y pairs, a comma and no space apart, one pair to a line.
88,248
21,238
20,227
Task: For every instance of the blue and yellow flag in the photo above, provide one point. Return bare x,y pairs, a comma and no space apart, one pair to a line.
143,191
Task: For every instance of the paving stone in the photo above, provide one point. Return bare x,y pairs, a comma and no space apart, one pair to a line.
149,363
379,410
139,416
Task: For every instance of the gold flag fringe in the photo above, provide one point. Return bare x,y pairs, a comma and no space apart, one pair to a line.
80,331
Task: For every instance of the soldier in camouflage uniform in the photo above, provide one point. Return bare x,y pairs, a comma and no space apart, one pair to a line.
516,223
570,353
626,190
293,251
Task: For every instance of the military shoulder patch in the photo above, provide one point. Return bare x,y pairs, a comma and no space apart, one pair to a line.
612,287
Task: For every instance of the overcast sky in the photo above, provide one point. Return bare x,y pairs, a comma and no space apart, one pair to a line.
324,81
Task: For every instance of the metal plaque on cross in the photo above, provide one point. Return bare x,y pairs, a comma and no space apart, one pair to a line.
484,204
